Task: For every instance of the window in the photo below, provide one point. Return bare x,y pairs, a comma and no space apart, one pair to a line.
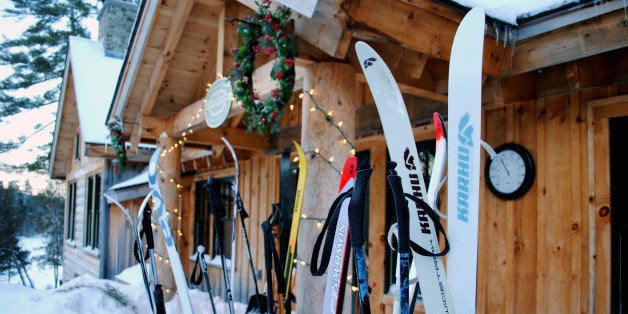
77,146
426,150
92,211
204,221
71,203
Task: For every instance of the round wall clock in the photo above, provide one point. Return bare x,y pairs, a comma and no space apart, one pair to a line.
510,174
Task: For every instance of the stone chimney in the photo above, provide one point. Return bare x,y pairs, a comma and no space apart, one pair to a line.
115,24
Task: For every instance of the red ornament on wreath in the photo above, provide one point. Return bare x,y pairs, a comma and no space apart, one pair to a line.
266,32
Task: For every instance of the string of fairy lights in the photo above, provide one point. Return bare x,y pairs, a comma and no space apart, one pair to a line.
316,153
179,143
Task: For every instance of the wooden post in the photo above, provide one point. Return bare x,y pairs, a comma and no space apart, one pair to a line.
333,86
168,175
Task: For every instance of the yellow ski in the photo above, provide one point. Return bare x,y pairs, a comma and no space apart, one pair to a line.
294,229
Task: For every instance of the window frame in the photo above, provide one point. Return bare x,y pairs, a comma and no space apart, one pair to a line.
93,193
70,211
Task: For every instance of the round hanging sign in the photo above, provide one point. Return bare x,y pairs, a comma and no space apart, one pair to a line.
218,102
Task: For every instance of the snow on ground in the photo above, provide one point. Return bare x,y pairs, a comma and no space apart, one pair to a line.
43,277
86,294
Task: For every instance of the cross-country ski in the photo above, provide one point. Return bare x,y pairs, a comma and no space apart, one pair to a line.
465,121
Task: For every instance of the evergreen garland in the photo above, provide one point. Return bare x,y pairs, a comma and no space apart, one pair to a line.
116,136
266,32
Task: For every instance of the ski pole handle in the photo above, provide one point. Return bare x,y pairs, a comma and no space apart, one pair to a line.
403,237
158,294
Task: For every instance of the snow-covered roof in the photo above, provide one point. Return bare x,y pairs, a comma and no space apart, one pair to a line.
139,179
510,10
95,77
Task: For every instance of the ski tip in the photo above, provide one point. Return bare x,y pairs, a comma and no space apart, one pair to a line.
350,167
366,54
300,151
224,140
359,44
439,126
348,170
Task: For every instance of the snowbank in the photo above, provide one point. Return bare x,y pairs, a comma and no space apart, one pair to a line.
86,294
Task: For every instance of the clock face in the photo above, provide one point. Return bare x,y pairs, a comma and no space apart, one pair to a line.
510,173
507,171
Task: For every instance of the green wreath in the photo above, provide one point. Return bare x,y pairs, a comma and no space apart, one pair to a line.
116,136
266,32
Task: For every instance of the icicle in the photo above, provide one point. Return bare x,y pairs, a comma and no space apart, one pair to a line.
625,12
513,44
506,35
496,27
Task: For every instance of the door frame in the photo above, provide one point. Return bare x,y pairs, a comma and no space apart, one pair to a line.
598,114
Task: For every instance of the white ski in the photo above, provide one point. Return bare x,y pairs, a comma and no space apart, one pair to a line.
464,116
402,149
334,287
235,215
173,255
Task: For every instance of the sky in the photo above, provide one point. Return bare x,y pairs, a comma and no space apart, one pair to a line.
37,124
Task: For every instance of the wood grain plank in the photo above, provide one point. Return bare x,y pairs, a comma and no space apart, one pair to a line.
557,233
525,214
542,199
598,35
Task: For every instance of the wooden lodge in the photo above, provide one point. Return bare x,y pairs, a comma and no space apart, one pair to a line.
556,85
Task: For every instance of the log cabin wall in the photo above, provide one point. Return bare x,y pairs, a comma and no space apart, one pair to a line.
543,252
77,258
120,253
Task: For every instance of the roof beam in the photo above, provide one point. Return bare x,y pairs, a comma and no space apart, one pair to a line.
152,127
326,29
594,36
188,118
239,138
411,90
135,54
543,25
418,28
177,23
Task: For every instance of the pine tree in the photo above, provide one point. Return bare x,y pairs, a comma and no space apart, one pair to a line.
13,259
38,55
50,222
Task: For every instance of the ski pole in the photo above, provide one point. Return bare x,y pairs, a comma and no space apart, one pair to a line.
243,215
356,218
218,211
403,247
268,261
135,249
147,229
276,225
200,260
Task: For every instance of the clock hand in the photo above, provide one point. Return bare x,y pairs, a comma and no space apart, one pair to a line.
503,164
